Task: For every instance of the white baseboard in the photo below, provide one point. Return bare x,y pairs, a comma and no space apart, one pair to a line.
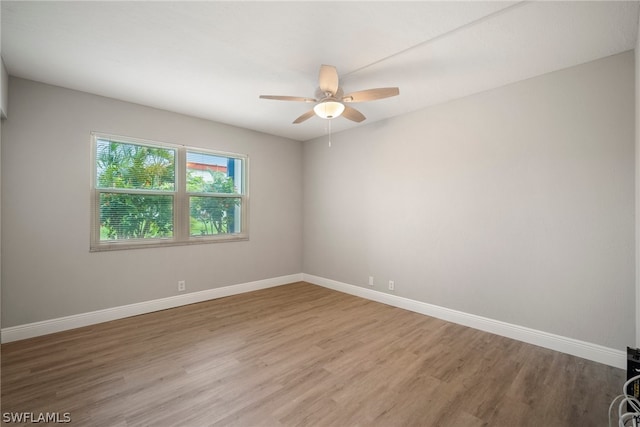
594,352
30,330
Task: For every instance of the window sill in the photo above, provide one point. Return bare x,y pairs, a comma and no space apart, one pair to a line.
162,243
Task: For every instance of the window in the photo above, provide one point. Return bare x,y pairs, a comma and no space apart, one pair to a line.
154,194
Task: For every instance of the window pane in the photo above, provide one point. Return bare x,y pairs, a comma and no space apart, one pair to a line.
214,215
208,173
141,201
135,216
124,165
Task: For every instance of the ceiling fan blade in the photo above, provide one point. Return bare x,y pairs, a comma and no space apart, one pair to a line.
371,94
304,117
287,98
328,79
352,114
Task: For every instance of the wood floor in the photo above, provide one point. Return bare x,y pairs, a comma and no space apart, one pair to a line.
300,355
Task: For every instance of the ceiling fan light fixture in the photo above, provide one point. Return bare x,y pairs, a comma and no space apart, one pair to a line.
329,109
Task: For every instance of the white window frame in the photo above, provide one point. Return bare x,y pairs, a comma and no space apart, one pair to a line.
181,214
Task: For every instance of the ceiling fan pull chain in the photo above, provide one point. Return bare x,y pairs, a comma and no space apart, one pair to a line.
329,133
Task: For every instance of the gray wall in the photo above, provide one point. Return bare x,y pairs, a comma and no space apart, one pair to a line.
47,269
4,97
4,85
516,204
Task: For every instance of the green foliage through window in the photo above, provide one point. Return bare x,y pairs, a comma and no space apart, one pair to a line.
210,179
130,166
122,165
135,216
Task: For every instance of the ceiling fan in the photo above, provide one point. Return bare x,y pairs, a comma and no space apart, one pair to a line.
330,99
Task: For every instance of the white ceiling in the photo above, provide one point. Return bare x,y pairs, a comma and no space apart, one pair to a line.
213,59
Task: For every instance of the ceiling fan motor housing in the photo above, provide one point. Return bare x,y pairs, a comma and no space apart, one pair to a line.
322,95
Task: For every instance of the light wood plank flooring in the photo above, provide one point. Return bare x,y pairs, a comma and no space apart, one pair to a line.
299,355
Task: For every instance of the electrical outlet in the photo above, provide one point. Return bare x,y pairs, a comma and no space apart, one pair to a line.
392,285
371,281
182,286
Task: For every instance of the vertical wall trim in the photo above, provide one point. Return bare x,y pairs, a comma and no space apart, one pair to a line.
4,90
637,179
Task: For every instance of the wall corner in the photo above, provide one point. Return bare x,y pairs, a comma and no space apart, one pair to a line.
637,184
4,90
